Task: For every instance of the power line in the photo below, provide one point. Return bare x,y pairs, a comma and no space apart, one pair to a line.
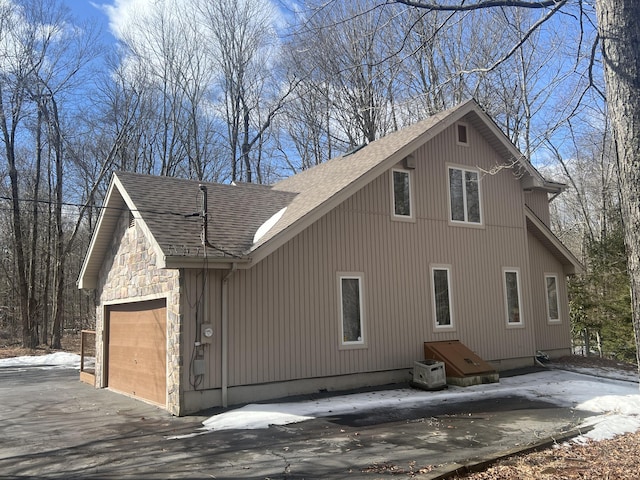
99,207
102,207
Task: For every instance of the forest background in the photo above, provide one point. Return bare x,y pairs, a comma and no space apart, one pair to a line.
254,91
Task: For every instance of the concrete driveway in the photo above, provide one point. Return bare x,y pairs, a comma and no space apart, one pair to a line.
53,426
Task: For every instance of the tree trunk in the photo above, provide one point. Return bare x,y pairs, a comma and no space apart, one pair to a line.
587,343
8,133
58,274
245,141
34,228
620,36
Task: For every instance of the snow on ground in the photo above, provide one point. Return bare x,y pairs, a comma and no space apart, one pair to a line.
616,402
52,360
613,396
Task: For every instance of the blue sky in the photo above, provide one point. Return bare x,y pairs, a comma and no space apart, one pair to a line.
94,11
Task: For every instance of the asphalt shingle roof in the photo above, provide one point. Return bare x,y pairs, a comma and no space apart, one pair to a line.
167,206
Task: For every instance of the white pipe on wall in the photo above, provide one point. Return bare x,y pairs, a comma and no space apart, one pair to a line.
224,363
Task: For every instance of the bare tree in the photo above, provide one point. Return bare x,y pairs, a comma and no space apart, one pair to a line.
343,49
243,43
42,61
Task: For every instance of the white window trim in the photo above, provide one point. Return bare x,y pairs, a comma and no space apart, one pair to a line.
360,277
464,197
506,270
394,215
466,126
451,326
546,296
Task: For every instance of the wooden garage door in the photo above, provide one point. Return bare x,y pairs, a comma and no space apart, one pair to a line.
137,350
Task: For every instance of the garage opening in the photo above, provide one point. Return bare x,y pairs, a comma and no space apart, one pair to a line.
136,350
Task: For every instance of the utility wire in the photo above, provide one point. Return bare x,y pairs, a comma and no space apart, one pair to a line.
100,207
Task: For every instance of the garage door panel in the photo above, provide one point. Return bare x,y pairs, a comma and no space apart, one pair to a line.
137,350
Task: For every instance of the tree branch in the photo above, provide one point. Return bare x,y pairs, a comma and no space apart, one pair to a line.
557,6
460,7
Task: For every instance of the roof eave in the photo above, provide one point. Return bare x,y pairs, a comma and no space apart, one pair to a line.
180,261
88,276
571,264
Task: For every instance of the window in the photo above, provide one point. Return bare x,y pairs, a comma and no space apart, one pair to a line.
464,193
553,313
441,297
401,184
512,296
461,130
351,309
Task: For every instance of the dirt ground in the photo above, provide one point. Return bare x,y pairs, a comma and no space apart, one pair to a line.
607,459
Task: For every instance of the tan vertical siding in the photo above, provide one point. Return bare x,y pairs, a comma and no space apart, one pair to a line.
538,202
192,309
549,336
284,311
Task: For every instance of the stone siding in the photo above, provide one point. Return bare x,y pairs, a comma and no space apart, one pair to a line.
130,274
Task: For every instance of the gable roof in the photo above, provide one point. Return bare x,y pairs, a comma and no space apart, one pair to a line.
324,186
237,211
168,211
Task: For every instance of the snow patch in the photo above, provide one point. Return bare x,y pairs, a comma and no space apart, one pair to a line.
617,403
52,360
268,225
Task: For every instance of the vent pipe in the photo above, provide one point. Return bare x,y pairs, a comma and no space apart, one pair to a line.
205,221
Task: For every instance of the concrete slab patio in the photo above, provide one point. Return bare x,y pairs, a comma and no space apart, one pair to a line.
53,426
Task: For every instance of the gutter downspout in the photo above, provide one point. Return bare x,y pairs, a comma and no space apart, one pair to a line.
224,364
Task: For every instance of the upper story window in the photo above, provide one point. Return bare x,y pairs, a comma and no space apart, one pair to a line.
401,186
351,309
464,194
553,312
512,296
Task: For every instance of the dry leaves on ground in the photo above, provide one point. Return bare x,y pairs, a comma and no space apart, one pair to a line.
616,458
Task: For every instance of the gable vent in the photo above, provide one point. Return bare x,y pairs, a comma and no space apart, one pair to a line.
132,220
463,138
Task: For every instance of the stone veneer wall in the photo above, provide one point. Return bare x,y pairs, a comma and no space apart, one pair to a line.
129,274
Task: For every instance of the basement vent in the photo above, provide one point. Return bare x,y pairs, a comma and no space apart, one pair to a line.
132,220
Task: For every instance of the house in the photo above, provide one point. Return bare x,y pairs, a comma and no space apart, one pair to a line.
332,278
